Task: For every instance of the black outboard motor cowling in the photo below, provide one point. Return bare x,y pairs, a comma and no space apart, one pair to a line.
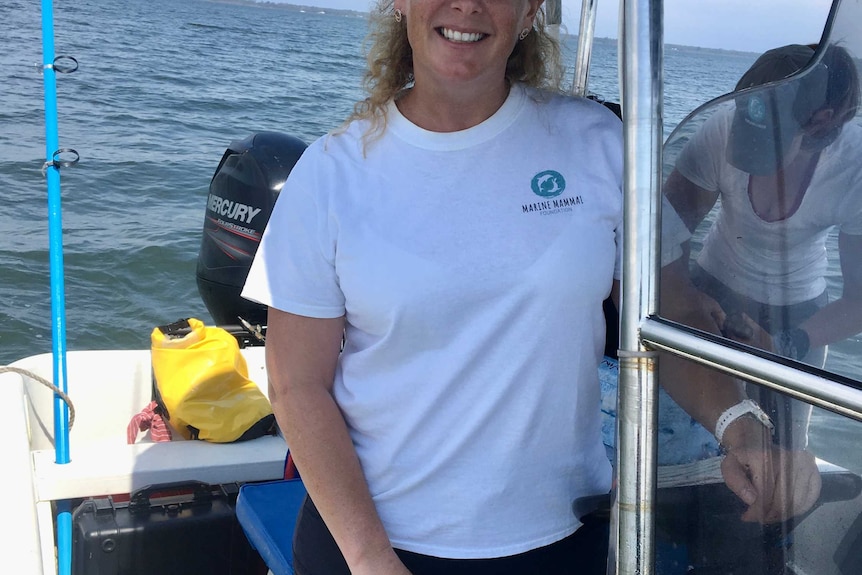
242,194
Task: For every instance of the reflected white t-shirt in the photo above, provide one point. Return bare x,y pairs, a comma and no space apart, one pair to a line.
782,262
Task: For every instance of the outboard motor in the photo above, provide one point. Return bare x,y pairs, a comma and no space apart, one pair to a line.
242,194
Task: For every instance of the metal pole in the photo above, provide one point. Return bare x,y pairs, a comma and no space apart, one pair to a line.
58,300
633,521
55,235
585,47
806,383
553,17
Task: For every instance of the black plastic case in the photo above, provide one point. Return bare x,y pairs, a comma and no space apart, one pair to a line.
172,529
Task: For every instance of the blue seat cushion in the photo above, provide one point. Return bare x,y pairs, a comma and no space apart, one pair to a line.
267,513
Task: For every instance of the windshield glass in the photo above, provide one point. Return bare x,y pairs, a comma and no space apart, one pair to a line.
762,245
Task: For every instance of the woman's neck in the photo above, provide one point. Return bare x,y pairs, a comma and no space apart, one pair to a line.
450,109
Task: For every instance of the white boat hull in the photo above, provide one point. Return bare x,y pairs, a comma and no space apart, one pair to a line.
107,389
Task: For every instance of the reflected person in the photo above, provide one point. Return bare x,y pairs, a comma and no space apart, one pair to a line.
786,164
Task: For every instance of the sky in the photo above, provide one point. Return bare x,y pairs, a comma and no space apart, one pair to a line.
749,25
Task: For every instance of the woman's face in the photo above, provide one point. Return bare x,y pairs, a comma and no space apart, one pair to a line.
458,41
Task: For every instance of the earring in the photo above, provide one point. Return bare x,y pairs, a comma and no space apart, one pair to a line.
524,33
397,15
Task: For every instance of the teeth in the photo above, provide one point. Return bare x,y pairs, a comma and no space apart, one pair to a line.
456,36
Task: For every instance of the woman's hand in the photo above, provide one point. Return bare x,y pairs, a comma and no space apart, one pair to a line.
708,308
739,327
681,301
775,483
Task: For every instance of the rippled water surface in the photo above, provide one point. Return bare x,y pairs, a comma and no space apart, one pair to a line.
164,86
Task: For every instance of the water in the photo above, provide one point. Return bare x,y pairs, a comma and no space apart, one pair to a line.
164,87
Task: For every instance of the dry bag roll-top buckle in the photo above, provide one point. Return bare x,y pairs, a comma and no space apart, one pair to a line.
177,330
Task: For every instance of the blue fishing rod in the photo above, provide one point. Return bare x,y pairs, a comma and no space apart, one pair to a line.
57,158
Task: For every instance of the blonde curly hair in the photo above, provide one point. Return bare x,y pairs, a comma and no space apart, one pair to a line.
535,61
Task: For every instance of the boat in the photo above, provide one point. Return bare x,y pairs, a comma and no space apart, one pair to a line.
660,516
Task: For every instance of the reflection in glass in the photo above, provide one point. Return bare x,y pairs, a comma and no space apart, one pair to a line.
700,530
762,244
765,186
699,521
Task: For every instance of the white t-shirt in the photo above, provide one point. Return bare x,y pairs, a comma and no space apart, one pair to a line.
471,267
782,262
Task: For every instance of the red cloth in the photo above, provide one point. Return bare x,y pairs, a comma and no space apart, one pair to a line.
290,471
150,419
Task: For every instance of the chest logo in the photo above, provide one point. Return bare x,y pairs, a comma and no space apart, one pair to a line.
548,184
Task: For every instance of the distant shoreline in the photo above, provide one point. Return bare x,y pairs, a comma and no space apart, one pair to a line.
364,14
293,7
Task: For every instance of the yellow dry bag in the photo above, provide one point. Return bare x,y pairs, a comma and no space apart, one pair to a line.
201,383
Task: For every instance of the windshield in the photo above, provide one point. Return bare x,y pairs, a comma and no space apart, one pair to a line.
762,246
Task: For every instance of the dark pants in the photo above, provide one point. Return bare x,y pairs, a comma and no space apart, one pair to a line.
582,553
789,415
698,532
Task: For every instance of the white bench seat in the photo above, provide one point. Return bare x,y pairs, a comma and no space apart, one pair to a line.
103,469
107,389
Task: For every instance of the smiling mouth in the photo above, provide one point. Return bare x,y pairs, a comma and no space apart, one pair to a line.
455,36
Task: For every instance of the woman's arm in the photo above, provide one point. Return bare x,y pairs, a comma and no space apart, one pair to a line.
774,483
842,318
690,201
301,357
686,206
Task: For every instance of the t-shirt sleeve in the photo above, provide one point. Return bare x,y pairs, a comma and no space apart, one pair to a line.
702,157
294,267
700,163
674,233
618,262
615,164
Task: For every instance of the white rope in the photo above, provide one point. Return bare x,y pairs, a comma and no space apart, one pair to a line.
700,472
46,383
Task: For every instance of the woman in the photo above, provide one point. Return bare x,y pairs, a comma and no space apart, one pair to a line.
785,163
461,233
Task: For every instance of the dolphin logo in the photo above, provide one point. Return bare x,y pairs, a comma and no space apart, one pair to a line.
548,184
756,109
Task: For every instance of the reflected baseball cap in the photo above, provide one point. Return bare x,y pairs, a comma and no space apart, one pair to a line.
773,108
